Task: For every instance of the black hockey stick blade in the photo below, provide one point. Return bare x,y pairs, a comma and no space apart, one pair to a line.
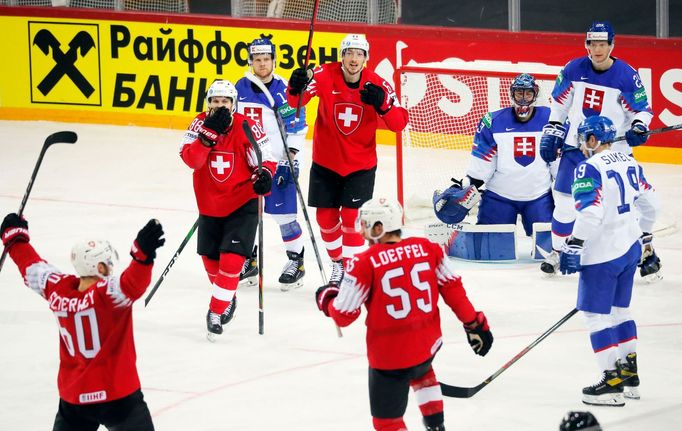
65,137
462,392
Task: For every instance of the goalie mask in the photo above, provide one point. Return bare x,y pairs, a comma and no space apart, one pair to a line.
600,127
523,93
388,212
86,255
357,41
222,88
262,45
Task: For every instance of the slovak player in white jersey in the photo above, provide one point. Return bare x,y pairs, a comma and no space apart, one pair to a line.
262,97
614,203
505,157
597,84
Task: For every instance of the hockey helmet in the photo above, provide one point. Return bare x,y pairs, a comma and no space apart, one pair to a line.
386,211
600,127
222,88
584,421
523,82
262,45
600,31
355,41
85,255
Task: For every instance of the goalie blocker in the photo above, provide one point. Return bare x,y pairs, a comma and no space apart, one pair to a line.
487,242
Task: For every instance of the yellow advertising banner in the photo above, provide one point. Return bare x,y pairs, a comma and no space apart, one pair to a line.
127,72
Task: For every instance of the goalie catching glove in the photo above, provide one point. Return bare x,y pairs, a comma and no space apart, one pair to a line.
452,205
478,334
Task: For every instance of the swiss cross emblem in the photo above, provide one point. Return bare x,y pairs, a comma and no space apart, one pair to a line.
254,113
524,150
220,165
347,117
593,101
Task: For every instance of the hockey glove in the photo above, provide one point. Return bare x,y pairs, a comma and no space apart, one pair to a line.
637,134
374,95
262,183
324,295
571,252
283,173
553,136
147,241
478,334
215,125
649,263
298,81
14,229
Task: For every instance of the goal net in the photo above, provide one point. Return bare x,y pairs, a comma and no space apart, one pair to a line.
445,102
173,6
368,11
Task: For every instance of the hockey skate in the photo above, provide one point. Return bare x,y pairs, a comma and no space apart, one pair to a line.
627,370
249,274
608,392
214,325
551,264
293,272
228,314
337,273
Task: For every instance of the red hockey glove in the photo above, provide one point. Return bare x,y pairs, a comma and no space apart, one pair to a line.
478,334
324,295
147,241
14,229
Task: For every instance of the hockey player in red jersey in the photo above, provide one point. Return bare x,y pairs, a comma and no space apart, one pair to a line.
226,185
342,175
98,382
399,281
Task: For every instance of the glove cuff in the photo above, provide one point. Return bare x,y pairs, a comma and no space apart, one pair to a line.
15,234
140,256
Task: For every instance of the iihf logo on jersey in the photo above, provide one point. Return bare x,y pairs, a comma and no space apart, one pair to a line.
593,100
347,117
221,165
64,63
524,150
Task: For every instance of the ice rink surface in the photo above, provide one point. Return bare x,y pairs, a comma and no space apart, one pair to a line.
299,375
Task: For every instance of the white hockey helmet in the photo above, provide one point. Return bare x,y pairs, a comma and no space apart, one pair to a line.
222,88
355,41
85,255
386,211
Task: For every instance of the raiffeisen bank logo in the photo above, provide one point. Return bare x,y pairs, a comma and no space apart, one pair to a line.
64,63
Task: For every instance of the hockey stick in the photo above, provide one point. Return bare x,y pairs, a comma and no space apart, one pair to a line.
259,156
65,137
650,132
254,79
171,263
307,51
461,392
251,77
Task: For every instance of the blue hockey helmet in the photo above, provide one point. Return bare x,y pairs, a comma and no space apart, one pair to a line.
262,45
600,127
524,81
600,31
584,421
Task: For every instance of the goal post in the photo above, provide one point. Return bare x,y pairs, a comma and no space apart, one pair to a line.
445,102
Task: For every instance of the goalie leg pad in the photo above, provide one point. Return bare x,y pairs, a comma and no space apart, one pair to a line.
542,240
475,242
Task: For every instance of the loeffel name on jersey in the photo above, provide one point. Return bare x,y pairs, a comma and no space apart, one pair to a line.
614,157
397,254
72,305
